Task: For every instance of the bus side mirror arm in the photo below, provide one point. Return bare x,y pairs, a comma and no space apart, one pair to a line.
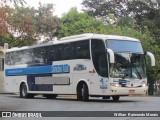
111,54
151,57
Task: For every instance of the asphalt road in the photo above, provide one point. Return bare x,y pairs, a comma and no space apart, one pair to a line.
10,102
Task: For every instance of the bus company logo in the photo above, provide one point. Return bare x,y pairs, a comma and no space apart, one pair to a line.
79,67
61,68
103,84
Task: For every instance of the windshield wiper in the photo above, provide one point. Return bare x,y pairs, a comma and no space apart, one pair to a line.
125,65
140,77
138,73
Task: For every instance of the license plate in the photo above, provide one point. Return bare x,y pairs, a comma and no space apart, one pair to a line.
131,91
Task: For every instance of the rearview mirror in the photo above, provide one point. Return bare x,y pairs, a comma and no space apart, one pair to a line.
151,57
111,53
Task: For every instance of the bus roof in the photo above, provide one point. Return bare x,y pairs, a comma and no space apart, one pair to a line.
96,36
78,38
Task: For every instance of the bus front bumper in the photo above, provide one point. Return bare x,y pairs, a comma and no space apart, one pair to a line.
128,90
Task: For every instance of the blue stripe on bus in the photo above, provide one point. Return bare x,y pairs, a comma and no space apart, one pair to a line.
38,70
121,81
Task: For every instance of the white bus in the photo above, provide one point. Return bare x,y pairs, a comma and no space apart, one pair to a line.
86,65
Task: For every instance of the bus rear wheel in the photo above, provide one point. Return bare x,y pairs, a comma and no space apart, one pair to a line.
82,92
116,98
23,92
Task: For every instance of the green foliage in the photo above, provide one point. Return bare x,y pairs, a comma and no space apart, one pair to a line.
33,23
145,13
5,13
103,9
45,23
16,41
23,22
126,21
24,25
16,2
78,23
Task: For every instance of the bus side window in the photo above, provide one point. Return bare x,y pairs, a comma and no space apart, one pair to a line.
81,50
66,52
7,59
27,56
50,53
39,55
53,53
17,57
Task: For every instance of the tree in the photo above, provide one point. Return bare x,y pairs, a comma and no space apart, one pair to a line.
16,2
34,23
77,23
46,24
146,13
4,20
5,13
103,8
28,24
5,24
23,22
15,41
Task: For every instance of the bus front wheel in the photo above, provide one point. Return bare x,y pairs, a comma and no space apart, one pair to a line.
82,92
116,98
23,92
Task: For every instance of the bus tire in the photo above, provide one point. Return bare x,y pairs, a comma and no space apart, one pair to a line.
50,96
85,93
23,92
116,98
82,92
79,92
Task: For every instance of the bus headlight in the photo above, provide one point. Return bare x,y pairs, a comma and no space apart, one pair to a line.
144,85
115,84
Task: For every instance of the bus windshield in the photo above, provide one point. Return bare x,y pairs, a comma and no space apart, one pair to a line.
129,59
120,46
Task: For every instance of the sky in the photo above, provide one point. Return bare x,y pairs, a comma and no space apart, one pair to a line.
61,6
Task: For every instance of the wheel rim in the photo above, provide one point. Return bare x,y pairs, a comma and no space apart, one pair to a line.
24,90
82,92
85,92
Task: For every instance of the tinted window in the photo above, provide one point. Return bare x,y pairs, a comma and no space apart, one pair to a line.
81,50
102,65
7,59
58,52
65,52
99,57
54,52
75,50
124,46
27,56
39,55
